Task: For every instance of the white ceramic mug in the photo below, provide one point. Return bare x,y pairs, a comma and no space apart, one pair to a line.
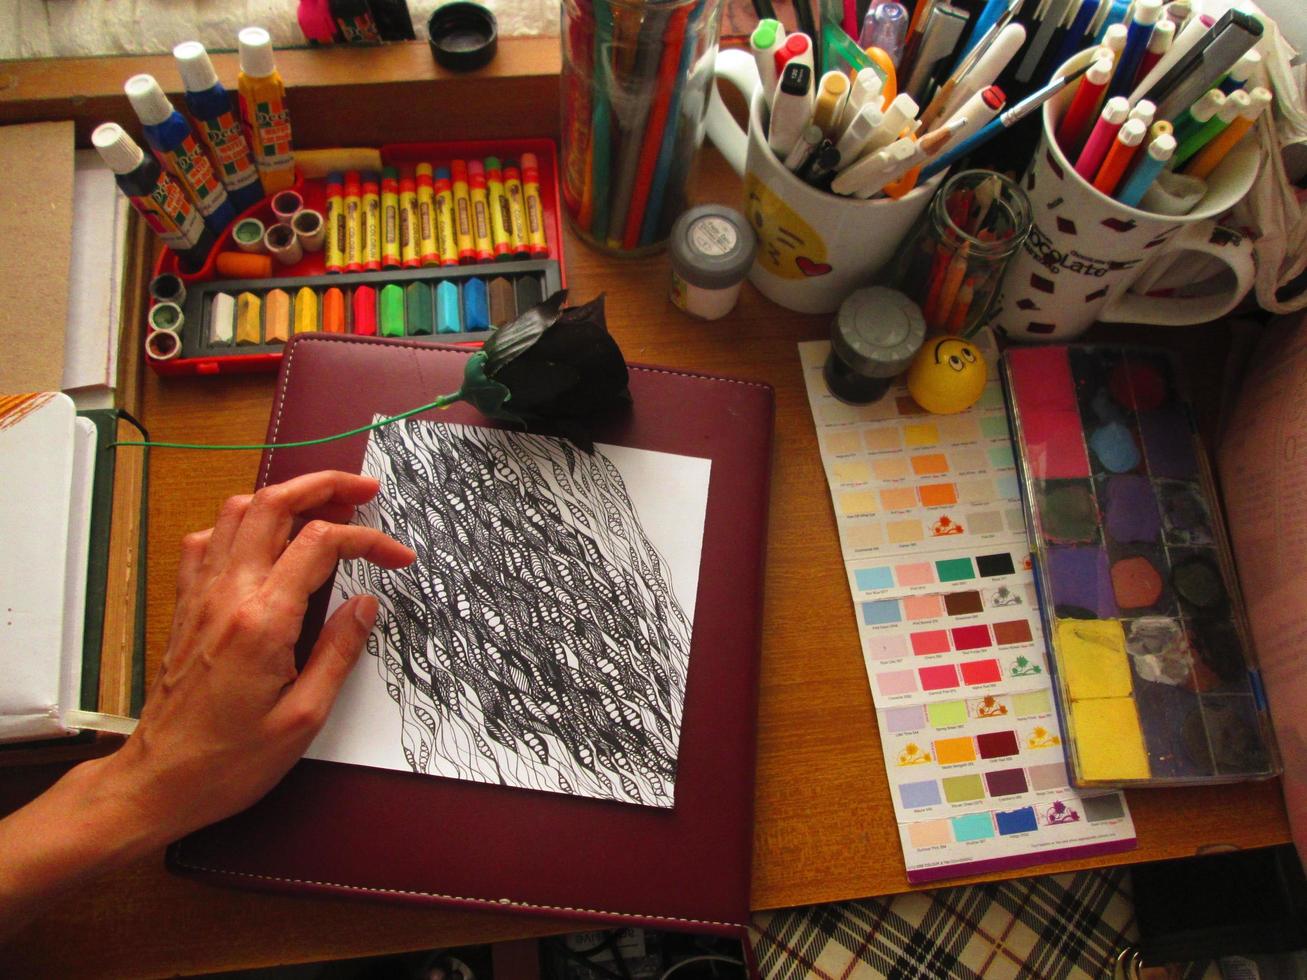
1085,251
814,248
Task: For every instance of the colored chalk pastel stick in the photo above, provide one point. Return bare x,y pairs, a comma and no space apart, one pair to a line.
333,310
392,310
503,304
222,320
276,317
419,314
249,316
306,310
364,308
448,319
528,292
476,305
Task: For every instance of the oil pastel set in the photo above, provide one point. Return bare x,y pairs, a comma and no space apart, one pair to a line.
951,637
1155,679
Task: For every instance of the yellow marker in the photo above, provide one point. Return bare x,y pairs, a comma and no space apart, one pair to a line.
476,182
335,257
353,224
276,316
428,247
248,328
306,310
462,213
535,212
831,96
500,219
516,209
263,109
408,222
371,207
446,239
390,253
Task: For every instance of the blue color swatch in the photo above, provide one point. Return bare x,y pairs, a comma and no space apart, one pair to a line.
919,794
880,577
1016,821
881,612
973,826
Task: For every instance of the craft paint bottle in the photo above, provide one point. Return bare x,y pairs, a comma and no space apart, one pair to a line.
353,223
371,208
390,253
210,106
476,183
409,246
354,21
446,238
316,22
428,249
159,199
535,211
462,213
170,136
516,209
263,108
500,220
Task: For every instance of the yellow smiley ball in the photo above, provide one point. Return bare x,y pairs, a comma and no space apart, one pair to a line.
947,376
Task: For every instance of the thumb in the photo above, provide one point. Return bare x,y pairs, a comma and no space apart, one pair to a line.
333,657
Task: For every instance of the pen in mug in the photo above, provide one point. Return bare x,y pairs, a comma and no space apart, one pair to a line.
1235,104
869,174
1153,163
1146,14
1215,151
1214,55
856,134
1079,116
904,175
1186,38
942,31
987,68
1114,41
980,109
865,91
1144,111
803,148
1243,72
1159,42
1128,138
797,48
1114,113
898,115
1193,118
828,105
1075,34
763,42
791,108
969,62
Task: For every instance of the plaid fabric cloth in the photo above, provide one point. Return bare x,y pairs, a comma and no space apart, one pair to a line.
1061,927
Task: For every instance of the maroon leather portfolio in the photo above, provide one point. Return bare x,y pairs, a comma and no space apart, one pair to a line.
352,830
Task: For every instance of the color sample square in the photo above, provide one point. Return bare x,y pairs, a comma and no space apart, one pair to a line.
929,642
1016,821
1012,632
850,471
1006,782
908,719
1092,657
991,566
880,612
930,833
955,569
900,498
842,443
890,468
947,714
997,745
938,494
915,573
1100,808
869,579
963,603
884,439
1015,519
864,535
963,789
930,464
920,434
1051,775
938,678
991,397
968,460
986,522
1000,457
887,646
958,428
971,637
857,503
925,793
951,751
981,672
904,532
894,682
1109,744
994,427
973,826
917,607
1007,487
976,491
1028,704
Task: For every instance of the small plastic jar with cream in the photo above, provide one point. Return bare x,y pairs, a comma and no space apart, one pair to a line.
712,249
874,338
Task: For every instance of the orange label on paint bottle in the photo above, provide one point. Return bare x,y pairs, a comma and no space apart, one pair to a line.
189,162
226,140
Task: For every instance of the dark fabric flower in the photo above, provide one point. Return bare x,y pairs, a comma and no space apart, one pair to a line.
552,366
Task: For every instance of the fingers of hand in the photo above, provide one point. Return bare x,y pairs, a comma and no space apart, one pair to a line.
271,515
311,557
304,708
194,547
230,516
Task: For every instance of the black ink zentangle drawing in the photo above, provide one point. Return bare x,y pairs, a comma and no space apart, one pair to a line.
537,641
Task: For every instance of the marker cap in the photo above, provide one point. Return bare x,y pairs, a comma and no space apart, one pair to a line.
423,170
147,98
459,169
369,177
1147,12
1162,148
1243,68
1114,38
1144,111
256,52
442,173
1159,42
492,163
194,66
118,150
1236,105
389,173
530,165
1206,107
475,170
1100,71
765,34
1116,110
1132,133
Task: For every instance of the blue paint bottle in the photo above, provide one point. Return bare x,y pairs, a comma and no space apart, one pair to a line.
219,127
173,142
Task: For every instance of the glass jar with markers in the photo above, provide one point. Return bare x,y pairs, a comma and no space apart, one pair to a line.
953,261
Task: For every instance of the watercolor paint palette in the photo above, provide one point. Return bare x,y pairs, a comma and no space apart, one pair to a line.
1156,681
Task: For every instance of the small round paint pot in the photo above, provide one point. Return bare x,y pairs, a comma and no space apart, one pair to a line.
712,251
166,316
1114,446
285,204
1198,582
310,228
873,340
282,245
162,345
167,288
248,235
463,35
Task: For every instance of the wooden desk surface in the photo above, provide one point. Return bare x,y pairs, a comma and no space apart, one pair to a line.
824,823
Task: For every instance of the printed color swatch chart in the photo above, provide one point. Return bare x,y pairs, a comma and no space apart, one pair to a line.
934,542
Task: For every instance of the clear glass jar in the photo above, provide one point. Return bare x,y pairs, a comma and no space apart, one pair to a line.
952,263
635,83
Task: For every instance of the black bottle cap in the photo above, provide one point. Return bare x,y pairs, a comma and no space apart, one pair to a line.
463,35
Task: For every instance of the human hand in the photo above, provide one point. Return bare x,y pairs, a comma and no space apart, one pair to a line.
229,714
